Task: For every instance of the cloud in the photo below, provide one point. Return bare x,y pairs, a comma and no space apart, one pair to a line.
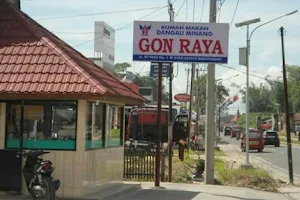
266,54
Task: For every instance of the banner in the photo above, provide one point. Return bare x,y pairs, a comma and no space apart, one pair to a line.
180,42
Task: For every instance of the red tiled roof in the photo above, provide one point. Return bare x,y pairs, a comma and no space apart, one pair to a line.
234,119
35,61
133,86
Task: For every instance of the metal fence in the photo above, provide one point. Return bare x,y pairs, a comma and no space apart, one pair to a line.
139,162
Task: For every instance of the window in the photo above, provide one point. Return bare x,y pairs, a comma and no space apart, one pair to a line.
95,126
44,124
254,135
111,57
114,128
106,32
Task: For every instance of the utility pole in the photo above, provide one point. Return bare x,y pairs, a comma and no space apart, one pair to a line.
198,100
187,80
158,126
191,105
286,110
170,133
210,111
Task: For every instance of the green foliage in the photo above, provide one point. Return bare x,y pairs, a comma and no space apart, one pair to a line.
200,92
253,178
121,67
252,124
147,81
268,97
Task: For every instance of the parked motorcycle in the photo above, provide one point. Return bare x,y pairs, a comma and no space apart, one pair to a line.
37,173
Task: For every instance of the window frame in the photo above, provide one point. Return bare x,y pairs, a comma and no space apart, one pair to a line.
122,128
23,103
103,129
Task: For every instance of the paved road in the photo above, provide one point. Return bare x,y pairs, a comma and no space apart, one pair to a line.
181,191
277,156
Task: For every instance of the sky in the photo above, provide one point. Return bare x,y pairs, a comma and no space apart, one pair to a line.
265,56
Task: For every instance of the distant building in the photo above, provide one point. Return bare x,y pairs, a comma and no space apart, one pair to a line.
104,46
146,92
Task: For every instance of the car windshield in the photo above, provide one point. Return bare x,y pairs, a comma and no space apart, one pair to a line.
254,134
271,134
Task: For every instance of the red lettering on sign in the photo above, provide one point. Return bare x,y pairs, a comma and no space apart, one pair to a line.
168,44
165,45
184,44
207,45
197,46
156,45
217,47
144,45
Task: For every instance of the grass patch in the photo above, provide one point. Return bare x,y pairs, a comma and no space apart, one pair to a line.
219,153
191,152
250,178
183,169
285,141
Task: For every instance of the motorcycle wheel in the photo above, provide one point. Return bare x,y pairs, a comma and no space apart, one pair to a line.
49,189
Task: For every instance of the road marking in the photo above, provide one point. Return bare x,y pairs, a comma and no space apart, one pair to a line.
263,160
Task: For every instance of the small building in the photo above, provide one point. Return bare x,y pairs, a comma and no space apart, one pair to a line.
53,98
104,46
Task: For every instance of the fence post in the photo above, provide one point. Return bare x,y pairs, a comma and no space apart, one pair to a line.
162,166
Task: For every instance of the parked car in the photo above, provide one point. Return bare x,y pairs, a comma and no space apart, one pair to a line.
271,138
256,141
235,130
227,130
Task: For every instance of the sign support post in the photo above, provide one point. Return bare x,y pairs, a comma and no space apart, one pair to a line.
158,126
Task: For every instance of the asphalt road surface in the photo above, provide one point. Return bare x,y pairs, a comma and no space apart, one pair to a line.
277,156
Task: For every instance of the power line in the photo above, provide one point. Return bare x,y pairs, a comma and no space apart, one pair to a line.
180,7
242,72
221,2
237,4
121,28
99,13
202,10
194,10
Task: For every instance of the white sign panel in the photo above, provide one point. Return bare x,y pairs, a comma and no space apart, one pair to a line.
180,42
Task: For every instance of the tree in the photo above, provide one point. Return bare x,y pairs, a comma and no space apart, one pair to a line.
259,98
121,68
147,81
200,93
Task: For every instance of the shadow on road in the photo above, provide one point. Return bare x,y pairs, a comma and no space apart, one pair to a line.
162,194
223,142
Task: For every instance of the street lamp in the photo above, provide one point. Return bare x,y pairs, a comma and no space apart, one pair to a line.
248,38
218,81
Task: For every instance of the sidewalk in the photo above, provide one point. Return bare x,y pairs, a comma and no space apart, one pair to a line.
294,140
179,191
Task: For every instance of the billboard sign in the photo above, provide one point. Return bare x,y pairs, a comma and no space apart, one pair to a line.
154,70
180,42
182,97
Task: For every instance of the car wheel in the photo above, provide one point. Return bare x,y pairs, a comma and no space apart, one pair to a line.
259,150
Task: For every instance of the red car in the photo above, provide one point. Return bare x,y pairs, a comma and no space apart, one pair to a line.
256,141
235,130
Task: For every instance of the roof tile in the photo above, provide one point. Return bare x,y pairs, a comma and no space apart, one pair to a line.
33,60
